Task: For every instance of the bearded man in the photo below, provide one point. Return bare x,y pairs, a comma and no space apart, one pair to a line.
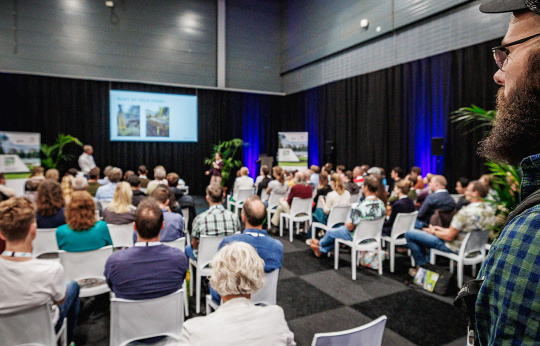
508,303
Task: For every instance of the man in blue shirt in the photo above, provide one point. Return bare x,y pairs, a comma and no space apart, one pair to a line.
105,193
174,222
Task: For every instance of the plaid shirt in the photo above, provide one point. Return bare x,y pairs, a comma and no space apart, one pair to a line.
508,304
216,221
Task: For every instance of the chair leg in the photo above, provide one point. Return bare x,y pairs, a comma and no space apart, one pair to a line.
459,274
353,262
190,279
413,263
198,295
281,221
451,266
392,256
474,270
291,230
186,301
207,306
380,260
336,255
432,258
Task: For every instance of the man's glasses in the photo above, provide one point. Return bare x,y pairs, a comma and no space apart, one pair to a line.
500,53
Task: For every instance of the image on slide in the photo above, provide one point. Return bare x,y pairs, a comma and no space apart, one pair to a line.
157,122
129,123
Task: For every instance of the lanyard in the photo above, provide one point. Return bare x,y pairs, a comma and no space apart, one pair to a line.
255,234
152,243
17,254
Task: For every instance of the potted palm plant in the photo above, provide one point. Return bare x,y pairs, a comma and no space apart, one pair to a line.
229,154
53,155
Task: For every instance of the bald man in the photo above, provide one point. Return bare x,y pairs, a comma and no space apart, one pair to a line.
439,199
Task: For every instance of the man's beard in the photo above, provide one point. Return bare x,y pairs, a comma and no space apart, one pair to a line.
516,132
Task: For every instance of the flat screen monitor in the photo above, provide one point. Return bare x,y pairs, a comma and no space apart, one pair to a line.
152,117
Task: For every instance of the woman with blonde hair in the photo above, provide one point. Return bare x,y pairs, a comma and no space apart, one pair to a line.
82,232
338,196
120,211
67,187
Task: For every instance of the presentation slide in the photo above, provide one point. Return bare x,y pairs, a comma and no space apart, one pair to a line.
152,117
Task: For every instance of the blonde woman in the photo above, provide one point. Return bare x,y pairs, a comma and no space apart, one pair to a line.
67,187
339,195
120,211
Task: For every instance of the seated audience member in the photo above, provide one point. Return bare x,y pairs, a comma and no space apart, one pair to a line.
183,200
461,187
160,178
52,174
340,169
371,208
105,193
50,205
439,199
308,172
143,171
322,190
120,211
416,172
329,168
358,175
278,185
350,185
402,205
338,196
301,189
487,180
82,231
216,221
8,192
149,269
244,181
128,174
105,179
37,173
31,187
263,180
237,272
137,195
67,187
314,178
381,191
172,182
477,216
396,174
93,184
79,184
174,223
73,172
27,282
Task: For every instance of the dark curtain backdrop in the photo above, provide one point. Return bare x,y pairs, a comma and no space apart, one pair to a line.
385,118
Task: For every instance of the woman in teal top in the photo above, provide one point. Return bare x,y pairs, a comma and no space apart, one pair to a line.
82,232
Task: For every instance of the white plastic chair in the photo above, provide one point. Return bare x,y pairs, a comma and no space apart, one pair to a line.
355,198
208,247
273,202
185,214
264,195
243,194
338,214
370,334
471,252
137,319
402,223
31,327
300,212
45,242
87,265
319,202
365,230
121,235
179,243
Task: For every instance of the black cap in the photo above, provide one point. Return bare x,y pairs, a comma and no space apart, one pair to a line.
500,6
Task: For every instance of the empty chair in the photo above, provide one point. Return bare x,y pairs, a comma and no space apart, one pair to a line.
31,327
338,214
370,334
45,242
237,204
369,231
300,212
402,224
208,247
87,269
137,319
471,252
121,235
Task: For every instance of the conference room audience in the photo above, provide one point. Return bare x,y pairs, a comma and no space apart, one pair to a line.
403,204
105,193
416,172
487,180
461,187
143,171
301,189
105,179
262,181
439,199
50,205
314,178
137,195
238,272
322,190
338,196
350,185
174,223
67,187
120,211
7,191
244,181
278,185
52,174
93,184
37,172
28,282
82,232
79,184
31,187
160,178
358,175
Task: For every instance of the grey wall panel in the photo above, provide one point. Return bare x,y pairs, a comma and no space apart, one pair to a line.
253,45
407,11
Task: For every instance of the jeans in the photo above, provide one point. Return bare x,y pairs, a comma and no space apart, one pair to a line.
190,252
420,224
419,242
326,244
69,308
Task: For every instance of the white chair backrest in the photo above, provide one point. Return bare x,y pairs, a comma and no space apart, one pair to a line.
369,334
104,205
267,295
243,194
264,195
300,206
136,319
355,198
474,242
179,243
208,248
319,202
28,327
274,198
121,235
87,264
338,214
369,230
45,241
185,214
403,223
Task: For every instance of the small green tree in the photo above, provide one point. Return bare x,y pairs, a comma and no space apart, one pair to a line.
53,155
229,151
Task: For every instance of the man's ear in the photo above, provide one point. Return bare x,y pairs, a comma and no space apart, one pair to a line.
207,199
33,230
163,224
134,226
167,202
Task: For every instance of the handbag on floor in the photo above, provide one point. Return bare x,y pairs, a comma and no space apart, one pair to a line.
433,278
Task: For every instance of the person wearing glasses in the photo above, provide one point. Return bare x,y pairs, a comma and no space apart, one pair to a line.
508,303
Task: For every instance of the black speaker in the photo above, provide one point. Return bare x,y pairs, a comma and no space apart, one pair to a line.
437,146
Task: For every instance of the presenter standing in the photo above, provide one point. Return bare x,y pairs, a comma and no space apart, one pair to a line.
215,172
86,160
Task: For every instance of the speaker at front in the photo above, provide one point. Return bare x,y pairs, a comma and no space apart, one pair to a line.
437,146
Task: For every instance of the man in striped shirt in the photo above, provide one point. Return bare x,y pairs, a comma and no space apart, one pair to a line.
216,221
